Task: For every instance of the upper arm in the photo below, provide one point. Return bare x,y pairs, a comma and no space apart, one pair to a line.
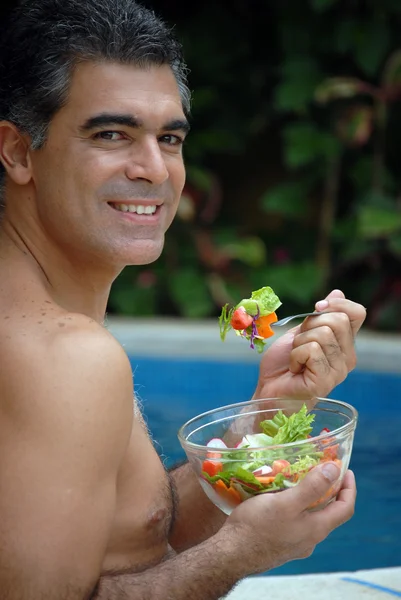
65,421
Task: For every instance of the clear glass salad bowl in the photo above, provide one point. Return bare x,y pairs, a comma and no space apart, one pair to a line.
267,445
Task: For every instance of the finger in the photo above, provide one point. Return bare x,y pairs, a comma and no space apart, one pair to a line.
334,334
309,356
356,312
335,294
340,510
348,489
314,486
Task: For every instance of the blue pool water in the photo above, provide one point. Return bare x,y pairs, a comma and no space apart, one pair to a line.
172,391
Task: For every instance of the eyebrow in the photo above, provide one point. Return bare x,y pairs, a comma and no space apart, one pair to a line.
110,119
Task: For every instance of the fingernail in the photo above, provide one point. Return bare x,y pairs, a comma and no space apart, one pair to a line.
331,471
321,305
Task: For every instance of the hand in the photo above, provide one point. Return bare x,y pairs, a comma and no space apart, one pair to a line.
314,357
272,529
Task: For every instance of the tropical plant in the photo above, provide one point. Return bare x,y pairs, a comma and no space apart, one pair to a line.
293,177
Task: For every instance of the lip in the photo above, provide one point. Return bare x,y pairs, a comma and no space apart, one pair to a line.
137,202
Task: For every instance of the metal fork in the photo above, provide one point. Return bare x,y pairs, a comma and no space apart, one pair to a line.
286,320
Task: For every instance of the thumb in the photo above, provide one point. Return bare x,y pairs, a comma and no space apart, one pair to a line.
316,484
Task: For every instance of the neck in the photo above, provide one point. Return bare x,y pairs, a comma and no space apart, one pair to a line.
74,281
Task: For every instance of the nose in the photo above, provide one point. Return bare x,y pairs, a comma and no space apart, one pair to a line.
148,163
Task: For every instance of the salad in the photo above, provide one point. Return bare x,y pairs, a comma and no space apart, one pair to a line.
252,317
256,466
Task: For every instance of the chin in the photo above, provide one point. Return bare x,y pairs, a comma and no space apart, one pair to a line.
144,254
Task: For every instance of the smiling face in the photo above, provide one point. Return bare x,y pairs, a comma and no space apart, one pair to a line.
108,181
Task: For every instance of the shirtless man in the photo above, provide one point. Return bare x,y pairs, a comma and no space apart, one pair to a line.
93,103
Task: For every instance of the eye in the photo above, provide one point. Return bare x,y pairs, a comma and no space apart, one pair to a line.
172,140
112,136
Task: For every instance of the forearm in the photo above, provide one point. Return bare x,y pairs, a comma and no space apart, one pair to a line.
197,517
206,572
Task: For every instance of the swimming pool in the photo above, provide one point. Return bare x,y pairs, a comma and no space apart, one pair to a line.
175,389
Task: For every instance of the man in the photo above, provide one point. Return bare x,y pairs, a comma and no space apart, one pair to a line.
93,103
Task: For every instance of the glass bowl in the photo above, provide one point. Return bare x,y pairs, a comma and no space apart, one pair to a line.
236,458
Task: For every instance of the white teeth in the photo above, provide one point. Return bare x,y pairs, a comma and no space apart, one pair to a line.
139,209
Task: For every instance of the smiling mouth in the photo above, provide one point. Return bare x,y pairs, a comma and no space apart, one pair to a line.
139,209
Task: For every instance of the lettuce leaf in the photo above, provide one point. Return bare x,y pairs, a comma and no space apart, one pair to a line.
270,427
261,303
302,465
295,428
236,472
224,321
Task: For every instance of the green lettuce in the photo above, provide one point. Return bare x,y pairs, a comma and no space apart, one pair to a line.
247,480
262,302
286,430
302,465
224,321
235,472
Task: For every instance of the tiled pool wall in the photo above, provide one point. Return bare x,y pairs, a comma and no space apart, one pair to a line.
182,369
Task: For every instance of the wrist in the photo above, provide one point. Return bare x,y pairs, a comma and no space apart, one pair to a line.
230,542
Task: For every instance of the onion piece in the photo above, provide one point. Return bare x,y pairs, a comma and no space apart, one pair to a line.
216,443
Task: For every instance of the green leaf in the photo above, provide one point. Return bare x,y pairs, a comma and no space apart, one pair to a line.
250,250
377,222
133,301
271,426
263,302
304,144
268,301
376,199
394,244
190,293
361,175
294,95
299,282
372,42
224,321
303,464
287,199
247,477
356,249
297,427
322,5
300,78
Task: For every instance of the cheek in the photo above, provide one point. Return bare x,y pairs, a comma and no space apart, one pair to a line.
177,177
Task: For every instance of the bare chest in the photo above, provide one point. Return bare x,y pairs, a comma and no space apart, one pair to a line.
144,509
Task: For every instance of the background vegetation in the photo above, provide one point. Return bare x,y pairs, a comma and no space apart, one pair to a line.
293,161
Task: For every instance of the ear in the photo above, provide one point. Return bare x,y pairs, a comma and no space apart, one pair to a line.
14,153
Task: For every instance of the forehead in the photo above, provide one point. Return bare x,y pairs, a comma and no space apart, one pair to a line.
151,93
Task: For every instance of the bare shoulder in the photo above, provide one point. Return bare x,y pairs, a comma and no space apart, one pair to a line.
70,362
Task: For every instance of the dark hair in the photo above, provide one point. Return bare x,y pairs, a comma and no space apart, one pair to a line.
43,40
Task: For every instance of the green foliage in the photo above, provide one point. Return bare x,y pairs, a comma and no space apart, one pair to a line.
287,199
190,294
292,162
